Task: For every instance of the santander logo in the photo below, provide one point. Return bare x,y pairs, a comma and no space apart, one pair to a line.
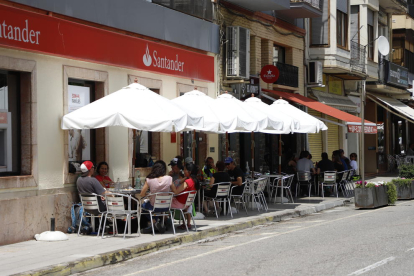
162,62
147,58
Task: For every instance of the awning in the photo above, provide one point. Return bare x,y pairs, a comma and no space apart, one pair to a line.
339,102
401,110
353,122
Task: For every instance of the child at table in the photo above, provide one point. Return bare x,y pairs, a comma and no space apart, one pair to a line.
180,179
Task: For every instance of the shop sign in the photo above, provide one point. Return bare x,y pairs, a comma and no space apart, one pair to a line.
269,74
358,128
397,75
30,31
245,90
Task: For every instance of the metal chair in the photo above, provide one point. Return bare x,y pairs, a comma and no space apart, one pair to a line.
239,199
304,178
342,182
191,195
116,210
91,209
222,195
257,192
329,180
162,201
350,182
285,183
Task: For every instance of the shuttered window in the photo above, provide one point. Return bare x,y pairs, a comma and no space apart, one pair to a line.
333,136
342,23
315,140
354,23
370,34
320,26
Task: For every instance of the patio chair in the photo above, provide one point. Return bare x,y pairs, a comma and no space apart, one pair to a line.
91,209
342,182
329,180
222,196
191,195
350,182
304,178
239,199
285,183
257,188
162,201
116,210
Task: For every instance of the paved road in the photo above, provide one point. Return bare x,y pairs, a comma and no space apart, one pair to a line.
341,241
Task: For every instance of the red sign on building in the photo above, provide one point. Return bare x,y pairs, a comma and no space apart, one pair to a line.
358,128
269,73
40,33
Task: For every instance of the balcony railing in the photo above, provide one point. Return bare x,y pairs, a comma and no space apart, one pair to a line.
314,3
358,57
288,74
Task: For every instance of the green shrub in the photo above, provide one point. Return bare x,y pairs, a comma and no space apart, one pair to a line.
406,171
391,192
401,182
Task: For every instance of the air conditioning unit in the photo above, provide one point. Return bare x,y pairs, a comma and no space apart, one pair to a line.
315,73
238,53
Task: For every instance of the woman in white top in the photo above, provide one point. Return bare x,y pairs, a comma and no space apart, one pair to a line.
354,163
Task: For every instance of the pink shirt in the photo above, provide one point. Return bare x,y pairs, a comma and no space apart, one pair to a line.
157,185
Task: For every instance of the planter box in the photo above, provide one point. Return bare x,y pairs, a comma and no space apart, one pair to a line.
405,192
371,197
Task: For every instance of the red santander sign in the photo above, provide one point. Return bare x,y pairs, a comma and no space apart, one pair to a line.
269,73
34,32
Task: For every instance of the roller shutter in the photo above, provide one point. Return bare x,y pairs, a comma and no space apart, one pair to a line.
315,140
333,136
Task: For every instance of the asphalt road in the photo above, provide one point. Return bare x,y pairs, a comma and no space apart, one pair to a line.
340,241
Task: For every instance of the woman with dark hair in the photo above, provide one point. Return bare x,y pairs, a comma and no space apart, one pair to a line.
157,181
102,175
336,158
190,184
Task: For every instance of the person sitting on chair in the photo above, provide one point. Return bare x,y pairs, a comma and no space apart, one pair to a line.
236,176
209,168
102,175
217,177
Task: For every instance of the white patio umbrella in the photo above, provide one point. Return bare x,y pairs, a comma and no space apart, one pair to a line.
198,104
308,123
134,106
278,122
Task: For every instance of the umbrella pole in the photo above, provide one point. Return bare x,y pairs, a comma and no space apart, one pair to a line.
134,137
194,146
280,153
252,152
227,144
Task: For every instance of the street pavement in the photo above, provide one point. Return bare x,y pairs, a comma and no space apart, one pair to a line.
87,252
340,241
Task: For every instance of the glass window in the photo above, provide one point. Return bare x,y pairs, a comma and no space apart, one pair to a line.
370,42
342,29
278,54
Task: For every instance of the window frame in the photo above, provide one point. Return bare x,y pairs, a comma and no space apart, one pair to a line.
342,29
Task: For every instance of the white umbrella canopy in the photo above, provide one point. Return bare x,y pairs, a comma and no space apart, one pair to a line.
236,117
134,106
278,122
198,104
308,123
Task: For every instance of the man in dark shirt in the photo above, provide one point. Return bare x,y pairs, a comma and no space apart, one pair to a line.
236,176
325,164
87,184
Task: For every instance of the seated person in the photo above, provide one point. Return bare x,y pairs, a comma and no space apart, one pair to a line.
353,163
87,184
157,181
236,176
190,184
325,164
209,168
217,177
102,175
304,164
336,159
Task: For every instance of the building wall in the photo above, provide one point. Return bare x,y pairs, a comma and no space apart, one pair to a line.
55,191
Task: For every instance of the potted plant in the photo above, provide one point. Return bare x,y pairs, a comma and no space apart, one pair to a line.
405,188
374,194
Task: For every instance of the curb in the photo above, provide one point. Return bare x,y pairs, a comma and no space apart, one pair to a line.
121,255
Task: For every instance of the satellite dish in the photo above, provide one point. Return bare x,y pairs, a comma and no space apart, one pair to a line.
383,46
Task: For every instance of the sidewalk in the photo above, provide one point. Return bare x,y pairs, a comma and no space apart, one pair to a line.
87,252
